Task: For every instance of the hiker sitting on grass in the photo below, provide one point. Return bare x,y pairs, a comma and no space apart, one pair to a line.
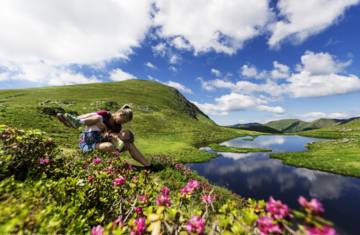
103,132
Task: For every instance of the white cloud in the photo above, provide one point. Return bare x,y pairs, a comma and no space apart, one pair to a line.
180,43
178,86
120,75
40,41
304,84
321,63
44,74
215,72
159,49
150,65
174,59
236,102
280,71
316,115
222,26
249,71
66,32
275,109
305,18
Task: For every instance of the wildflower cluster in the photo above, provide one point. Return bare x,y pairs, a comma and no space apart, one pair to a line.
101,194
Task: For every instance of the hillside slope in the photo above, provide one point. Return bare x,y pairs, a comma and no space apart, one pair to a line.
165,122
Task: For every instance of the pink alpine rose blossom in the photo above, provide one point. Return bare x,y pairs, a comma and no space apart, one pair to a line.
139,226
267,225
119,181
143,198
313,206
98,230
207,198
96,161
196,225
165,190
44,161
325,230
163,200
277,209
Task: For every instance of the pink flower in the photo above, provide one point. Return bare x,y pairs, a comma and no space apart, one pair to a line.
98,230
185,191
119,181
207,198
143,198
165,190
193,184
135,179
119,221
179,166
325,230
267,225
163,200
277,209
96,161
139,226
313,206
196,225
44,161
189,187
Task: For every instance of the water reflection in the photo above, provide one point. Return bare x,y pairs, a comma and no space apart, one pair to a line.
256,175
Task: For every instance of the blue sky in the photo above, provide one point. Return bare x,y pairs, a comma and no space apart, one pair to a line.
239,61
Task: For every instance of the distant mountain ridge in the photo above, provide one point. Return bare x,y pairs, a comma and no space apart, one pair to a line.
293,125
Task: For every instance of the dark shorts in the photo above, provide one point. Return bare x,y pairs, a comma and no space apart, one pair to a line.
88,140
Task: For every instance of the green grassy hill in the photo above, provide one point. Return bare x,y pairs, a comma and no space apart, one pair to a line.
287,125
164,123
255,127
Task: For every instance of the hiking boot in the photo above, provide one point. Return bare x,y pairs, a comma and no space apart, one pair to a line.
73,120
63,120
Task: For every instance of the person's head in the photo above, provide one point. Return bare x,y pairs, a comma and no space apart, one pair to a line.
123,115
126,136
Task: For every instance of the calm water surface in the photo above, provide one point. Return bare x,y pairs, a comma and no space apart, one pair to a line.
256,175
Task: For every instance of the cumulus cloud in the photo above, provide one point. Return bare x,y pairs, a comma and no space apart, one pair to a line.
66,32
215,72
302,19
44,74
150,65
43,40
321,63
180,43
311,116
279,71
120,75
318,75
178,86
221,26
236,102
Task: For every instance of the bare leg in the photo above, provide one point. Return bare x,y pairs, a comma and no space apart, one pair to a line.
136,154
91,119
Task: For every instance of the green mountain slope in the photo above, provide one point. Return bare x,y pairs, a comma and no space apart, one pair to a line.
255,127
164,123
287,125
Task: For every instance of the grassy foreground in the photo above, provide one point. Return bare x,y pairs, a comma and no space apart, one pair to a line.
164,124
222,148
340,155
